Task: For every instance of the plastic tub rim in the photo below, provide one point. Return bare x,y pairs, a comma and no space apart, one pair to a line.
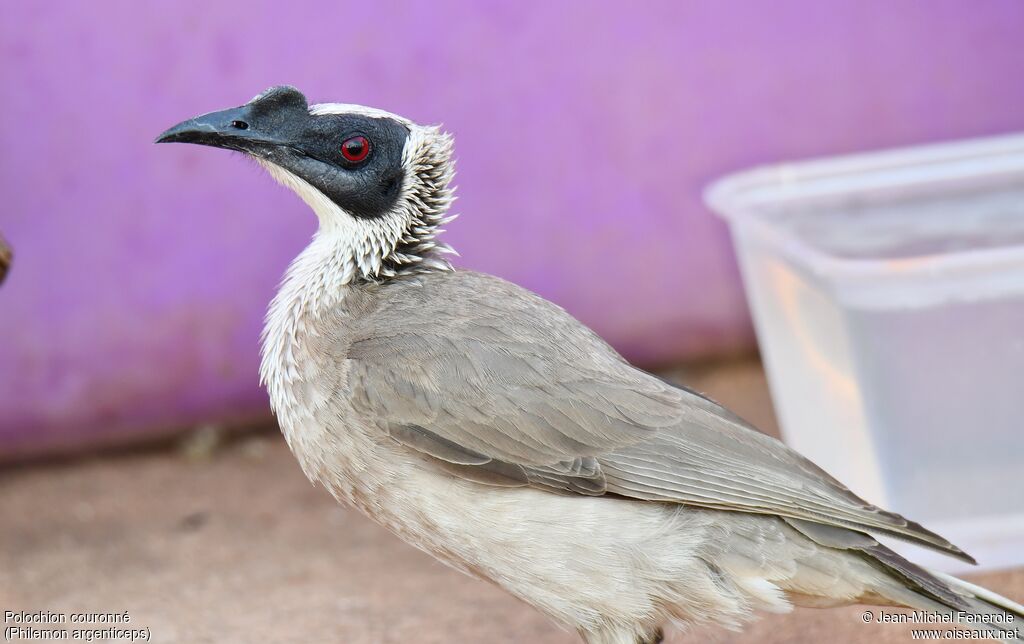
730,198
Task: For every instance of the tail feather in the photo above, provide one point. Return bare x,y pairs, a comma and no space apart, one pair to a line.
973,607
985,602
916,578
981,594
912,586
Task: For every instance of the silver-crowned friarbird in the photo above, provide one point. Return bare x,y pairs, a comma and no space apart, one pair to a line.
488,427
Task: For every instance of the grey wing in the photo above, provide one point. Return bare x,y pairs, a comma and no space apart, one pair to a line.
503,387
462,375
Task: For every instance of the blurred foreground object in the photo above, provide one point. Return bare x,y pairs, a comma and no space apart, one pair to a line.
6,254
888,296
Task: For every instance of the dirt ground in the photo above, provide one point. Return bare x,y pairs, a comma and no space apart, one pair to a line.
230,543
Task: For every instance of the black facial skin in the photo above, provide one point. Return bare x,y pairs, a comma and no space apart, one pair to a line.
278,128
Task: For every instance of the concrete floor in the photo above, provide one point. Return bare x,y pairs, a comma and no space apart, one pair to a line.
230,543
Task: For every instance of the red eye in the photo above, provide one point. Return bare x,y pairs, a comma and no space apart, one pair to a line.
355,149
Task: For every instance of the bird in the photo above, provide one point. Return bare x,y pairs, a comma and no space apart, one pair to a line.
489,428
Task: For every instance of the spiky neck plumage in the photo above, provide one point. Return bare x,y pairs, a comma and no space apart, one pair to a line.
348,251
425,197
399,242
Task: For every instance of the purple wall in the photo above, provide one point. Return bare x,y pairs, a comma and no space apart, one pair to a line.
584,137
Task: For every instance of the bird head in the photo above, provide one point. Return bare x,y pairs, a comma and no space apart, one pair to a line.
377,179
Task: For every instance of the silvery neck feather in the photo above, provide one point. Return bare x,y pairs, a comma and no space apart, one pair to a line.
400,241
350,249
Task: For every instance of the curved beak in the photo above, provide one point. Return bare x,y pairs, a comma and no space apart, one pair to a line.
232,129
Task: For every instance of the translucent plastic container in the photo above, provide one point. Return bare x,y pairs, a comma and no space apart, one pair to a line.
887,291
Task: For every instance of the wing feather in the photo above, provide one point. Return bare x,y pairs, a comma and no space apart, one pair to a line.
504,388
